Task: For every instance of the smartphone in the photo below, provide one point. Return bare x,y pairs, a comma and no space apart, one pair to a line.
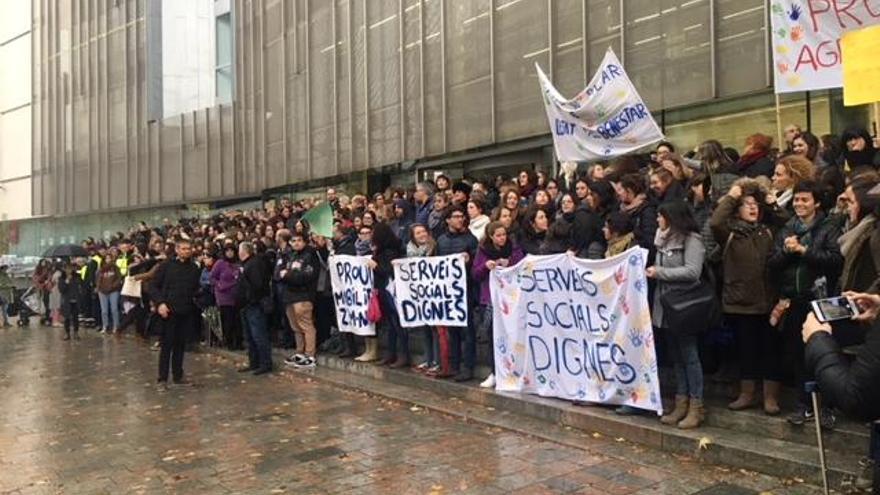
834,308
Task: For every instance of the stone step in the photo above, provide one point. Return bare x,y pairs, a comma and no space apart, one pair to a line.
846,435
715,443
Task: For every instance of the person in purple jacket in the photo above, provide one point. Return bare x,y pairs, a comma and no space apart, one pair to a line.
224,278
496,250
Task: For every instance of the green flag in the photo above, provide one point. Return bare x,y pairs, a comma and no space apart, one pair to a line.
320,220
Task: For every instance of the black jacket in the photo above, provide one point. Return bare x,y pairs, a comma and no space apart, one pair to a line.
384,271
301,277
72,290
176,285
796,273
253,284
854,388
345,245
458,242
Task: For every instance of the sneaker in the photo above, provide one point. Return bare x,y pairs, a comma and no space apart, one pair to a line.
161,386
307,362
489,382
422,368
295,359
66,337
262,371
183,382
800,415
827,420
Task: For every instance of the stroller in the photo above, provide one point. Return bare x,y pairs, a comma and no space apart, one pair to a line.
26,303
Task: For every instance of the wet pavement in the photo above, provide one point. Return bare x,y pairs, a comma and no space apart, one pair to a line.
86,417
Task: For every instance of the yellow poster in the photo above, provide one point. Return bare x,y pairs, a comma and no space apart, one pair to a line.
861,66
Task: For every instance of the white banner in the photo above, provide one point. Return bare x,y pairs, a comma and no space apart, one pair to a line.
431,291
806,40
576,329
352,283
608,118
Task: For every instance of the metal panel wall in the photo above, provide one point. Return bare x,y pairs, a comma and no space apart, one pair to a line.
324,88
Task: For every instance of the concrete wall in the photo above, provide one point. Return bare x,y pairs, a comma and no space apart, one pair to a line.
331,87
15,110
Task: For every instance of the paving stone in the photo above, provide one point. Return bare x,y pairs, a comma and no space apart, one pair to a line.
85,417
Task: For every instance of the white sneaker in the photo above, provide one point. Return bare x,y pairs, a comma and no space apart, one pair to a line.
489,382
306,362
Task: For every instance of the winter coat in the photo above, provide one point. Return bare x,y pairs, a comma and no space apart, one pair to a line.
481,273
253,283
795,273
679,260
458,242
72,291
345,245
224,278
176,285
854,387
423,212
301,278
645,225
531,242
861,249
745,251
109,279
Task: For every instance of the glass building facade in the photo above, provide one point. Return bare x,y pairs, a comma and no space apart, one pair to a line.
310,90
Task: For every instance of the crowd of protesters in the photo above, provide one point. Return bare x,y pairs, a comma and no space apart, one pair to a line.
777,226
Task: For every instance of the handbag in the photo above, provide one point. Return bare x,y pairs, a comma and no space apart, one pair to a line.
692,308
374,308
131,288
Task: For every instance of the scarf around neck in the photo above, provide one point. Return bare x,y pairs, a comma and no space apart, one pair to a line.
494,253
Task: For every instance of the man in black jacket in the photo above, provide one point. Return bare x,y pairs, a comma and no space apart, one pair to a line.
458,239
300,276
252,293
851,385
176,285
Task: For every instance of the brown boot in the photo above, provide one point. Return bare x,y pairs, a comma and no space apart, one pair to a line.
771,397
746,397
678,412
695,415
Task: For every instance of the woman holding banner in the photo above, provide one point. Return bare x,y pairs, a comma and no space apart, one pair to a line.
680,256
386,247
420,245
497,249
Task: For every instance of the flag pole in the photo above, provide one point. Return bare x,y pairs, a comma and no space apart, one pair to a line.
779,139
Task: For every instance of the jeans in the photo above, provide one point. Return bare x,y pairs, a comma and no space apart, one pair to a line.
109,308
431,345
483,324
177,329
398,339
256,332
686,360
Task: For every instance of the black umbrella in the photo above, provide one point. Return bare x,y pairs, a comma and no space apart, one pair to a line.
66,251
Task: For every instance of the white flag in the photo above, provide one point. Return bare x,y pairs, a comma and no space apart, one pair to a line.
607,119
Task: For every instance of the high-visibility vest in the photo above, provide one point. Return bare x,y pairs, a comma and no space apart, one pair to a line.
84,270
122,264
